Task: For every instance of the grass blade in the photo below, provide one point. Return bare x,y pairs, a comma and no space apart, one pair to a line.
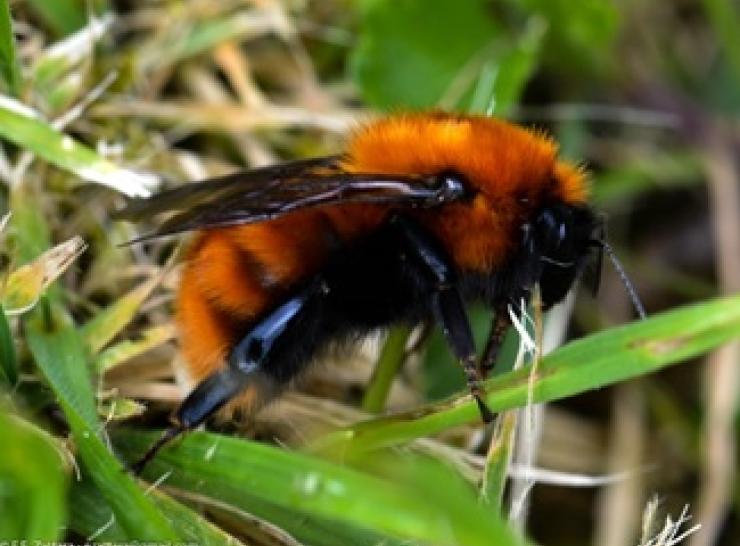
8,61
497,461
26,284
66,16
128,349
8,362
390,361
59,353
102,328
32,473
92,517
601,359
25,127
60,356
725,19
433,505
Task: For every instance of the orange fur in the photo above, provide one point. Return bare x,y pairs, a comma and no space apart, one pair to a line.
204,334
505,162
233,275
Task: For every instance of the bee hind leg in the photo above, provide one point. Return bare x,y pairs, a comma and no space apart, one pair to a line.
245,370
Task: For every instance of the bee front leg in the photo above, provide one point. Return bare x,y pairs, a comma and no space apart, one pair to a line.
245,369
446,303
499,325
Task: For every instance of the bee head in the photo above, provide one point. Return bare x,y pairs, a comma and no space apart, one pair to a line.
560,241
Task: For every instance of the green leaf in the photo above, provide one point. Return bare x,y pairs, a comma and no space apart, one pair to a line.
408,52
137,513
412,498
725,19
497,460
601,359
29,231
91,516
389,362
58,72
128,349
59,353
25,127
190,38
66,16
502,80
119,408
111,320
33,483
26,284
580,33
9,68
8,362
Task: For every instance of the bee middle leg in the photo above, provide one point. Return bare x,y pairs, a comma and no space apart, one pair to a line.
499,325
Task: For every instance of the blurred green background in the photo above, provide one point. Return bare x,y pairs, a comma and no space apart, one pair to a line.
106,98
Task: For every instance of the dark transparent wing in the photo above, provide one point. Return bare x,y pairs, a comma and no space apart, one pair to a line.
213,189
264,194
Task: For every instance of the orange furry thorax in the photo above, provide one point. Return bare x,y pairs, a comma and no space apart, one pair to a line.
513,170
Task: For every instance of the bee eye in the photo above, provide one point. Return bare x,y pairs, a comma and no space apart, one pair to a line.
554,227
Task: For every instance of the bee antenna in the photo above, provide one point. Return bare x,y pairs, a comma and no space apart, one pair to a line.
606,247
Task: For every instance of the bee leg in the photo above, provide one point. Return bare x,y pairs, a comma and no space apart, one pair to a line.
450,312
499,325
245,368
447,304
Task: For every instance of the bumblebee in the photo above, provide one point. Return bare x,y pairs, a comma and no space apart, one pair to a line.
420,215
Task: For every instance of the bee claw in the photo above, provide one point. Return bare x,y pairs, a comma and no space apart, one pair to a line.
485,412
167,436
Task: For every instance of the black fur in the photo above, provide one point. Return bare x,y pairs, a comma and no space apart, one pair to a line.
399,273
377,281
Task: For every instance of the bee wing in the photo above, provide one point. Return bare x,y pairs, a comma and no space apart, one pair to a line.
264,194
211,190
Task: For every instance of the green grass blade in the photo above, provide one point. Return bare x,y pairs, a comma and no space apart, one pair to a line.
23,126
8,362
128,349
503,78
92,517
66,16
29,233
32,473
497,461
102,328
25,286
226,468
9,68
59,353
187,41
136,512
390,361
601,359
725,19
